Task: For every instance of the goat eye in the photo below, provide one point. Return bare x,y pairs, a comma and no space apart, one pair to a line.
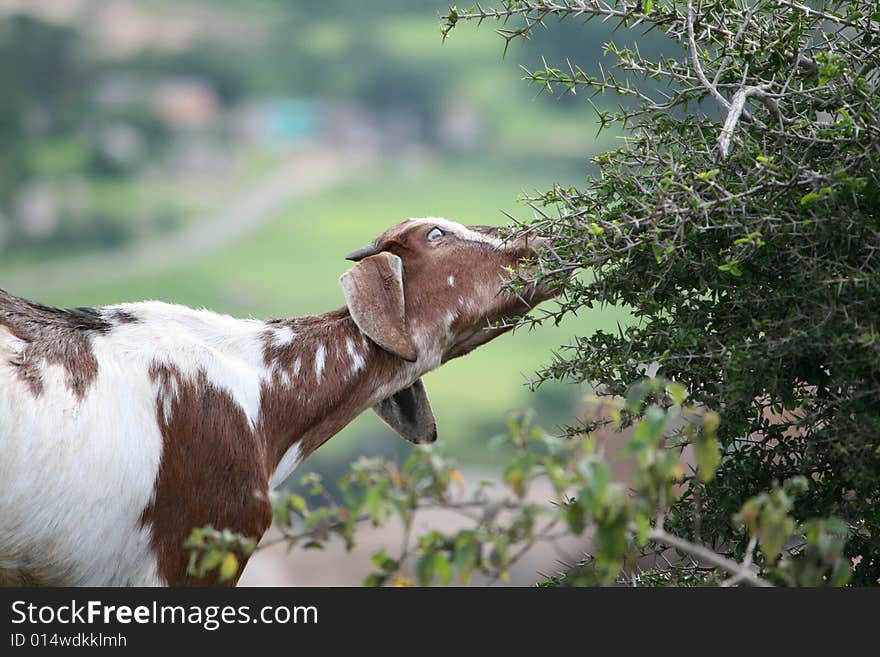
435,234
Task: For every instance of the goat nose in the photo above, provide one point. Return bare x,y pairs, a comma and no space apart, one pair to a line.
363,252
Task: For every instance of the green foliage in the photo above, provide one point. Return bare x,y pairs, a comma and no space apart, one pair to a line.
214,550
766,516
739,221
503,523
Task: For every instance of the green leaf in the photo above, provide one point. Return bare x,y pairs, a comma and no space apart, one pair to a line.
649,431
375,506
644,529
298,504
229,567
354,495
385,563
575,517
635,395
813,197
774,533
498,558
425,569
466,556
192,565
211,560
711,422
707,175
442,568
708,457
658,252
374,580
678,392
515,478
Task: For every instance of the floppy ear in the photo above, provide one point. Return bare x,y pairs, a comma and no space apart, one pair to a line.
409,413
373,291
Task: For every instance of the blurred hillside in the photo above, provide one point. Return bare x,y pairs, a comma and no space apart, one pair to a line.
228,153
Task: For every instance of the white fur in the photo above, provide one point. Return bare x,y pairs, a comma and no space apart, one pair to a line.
195,341
99,457
320,356
459,230
97,469
167,397
450,320
283,336
357,361
286,466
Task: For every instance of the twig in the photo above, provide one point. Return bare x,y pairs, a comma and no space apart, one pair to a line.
709,556
739,34
736,110
695,61
840,20
746,563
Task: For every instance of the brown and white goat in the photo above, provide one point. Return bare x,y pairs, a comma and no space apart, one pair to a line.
123,427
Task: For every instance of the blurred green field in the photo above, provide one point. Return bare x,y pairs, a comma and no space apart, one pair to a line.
292,266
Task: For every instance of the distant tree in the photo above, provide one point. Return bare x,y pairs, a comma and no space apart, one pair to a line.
739,221
44,83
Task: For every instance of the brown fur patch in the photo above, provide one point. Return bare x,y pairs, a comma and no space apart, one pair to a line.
55,336
212,472
215,469
311,413
306,411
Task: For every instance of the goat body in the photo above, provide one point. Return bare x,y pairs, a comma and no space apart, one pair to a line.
124,427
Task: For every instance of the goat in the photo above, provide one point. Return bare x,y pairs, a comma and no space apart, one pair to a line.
124,427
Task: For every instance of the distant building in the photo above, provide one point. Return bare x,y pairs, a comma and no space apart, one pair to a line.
118,90
122,28
37,212
461,128
186,104
279,121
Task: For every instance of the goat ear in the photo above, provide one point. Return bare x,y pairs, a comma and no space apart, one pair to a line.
409,413
373,291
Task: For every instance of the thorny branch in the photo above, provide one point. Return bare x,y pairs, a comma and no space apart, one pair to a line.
739,233
740,571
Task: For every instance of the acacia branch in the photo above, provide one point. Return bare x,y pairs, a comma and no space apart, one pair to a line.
735,110
840,20
695,61
746,563
740,571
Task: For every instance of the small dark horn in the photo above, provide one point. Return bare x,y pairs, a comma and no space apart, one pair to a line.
363,252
